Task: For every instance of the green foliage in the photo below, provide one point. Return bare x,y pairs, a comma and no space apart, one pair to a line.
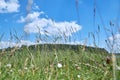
55,62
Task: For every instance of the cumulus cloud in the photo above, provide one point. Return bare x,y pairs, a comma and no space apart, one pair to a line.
35,24
115,43
30,17
9,6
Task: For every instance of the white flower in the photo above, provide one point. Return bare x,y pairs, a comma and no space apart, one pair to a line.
9,65
25,68
118,67
11,70
78,76
59,65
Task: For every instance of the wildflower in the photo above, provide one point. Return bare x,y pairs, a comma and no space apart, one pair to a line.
78,76
9,65
51,65
11,70
25,68
59,65
118,67
77,67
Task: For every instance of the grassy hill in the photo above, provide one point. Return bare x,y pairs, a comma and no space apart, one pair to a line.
57,62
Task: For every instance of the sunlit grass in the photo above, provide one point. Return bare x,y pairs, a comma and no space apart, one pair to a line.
55,64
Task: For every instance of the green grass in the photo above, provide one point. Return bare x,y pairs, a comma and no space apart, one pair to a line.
41,63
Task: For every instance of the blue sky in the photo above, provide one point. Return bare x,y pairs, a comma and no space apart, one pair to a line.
56,16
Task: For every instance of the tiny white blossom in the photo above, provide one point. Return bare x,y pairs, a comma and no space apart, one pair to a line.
8,65
59,65
25,68
11,70
118,67
78,76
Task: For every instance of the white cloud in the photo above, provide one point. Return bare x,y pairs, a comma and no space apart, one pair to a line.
35,7
6,44
36,25
9,6
115,42
25,42
115,37
30,17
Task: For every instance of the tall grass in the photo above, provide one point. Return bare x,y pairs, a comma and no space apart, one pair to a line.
33,64
55,61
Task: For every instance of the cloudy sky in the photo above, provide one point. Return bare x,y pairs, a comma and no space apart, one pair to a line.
77,20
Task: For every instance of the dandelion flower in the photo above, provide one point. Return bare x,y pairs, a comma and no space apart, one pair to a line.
59,65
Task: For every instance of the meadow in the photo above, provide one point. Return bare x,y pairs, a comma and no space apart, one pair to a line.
61,61
57,62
